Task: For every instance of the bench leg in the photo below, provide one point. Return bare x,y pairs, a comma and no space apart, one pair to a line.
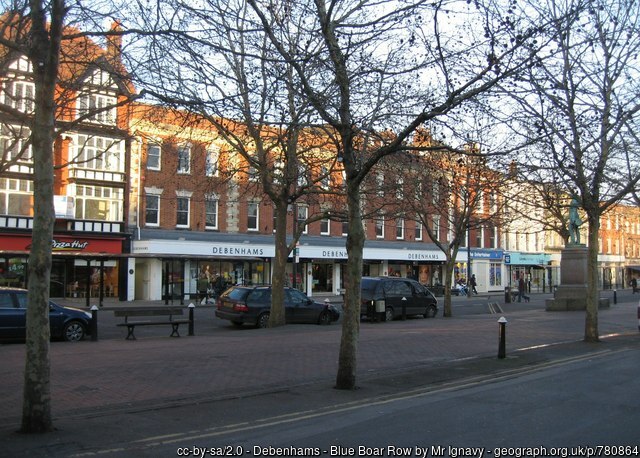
174,332
130,335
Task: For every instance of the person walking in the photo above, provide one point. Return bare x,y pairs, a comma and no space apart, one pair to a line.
634,284
472,284
522,289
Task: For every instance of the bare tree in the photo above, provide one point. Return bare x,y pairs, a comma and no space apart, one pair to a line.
43,63
226,72
581,98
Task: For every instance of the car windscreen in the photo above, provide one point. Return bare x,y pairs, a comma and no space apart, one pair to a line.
237,294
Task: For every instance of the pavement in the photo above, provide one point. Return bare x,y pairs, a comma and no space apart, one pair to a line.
108,385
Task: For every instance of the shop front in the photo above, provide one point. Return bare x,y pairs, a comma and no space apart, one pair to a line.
179,270
535,268
488,267
81,266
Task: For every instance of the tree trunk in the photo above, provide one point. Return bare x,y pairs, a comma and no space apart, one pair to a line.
591,320
44,50
277,316
448,283
346,377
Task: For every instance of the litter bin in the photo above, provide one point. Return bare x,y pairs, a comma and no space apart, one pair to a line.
507,295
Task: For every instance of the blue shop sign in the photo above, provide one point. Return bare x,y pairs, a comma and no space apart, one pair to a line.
487,254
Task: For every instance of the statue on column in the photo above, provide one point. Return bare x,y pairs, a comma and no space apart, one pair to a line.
574,222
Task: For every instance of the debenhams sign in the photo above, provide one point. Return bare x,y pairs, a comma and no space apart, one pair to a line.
238,251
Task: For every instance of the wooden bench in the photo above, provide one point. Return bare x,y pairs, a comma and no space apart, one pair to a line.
150,312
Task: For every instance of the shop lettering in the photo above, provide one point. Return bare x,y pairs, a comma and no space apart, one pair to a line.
238,251
67,246
420,256
334,254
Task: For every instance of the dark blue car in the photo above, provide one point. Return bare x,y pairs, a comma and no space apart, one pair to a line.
66,323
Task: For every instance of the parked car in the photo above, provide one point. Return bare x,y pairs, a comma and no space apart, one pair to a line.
252,305
66,323
389,295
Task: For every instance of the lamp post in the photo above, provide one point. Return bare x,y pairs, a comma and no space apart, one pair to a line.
294,267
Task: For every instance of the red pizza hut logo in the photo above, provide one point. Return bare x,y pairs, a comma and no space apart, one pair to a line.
73,245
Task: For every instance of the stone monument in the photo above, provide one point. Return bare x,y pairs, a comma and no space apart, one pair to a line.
571,293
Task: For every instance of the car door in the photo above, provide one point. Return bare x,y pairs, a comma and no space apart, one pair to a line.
301,308
406,296
12,317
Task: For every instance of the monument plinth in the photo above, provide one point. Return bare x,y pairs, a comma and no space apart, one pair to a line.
571,293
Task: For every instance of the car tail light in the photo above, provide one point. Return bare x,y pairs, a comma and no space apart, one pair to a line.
240,308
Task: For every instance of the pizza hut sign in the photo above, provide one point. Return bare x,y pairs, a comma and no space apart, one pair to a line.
72,245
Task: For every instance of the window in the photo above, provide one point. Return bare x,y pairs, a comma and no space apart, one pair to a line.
379,226
98,108
493,236
436,228
325,226
400,189
182,211
400,228
252,216
252,171
303,214
495,274
480,237
20,95
211,212
211,162
99,153
153,156
16,197
345,228
325,178
418,233
99,203
184,159
152,210
380,184
14,148
435,193
302,176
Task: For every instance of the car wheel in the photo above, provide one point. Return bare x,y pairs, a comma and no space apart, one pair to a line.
73,331
430,312
388,314
237,324
263,320
324,318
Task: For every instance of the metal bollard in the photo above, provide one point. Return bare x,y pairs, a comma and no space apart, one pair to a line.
615,296
94,323
502,346
191,309
638,316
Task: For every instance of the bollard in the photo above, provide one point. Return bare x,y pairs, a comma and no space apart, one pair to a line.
94,323
615,296
191,309
404,308
502,347
638,316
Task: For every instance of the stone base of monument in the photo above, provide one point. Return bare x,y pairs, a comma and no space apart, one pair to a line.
571,297
571,294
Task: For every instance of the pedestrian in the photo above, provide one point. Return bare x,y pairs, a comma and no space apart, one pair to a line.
522,290
472,284
634,284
